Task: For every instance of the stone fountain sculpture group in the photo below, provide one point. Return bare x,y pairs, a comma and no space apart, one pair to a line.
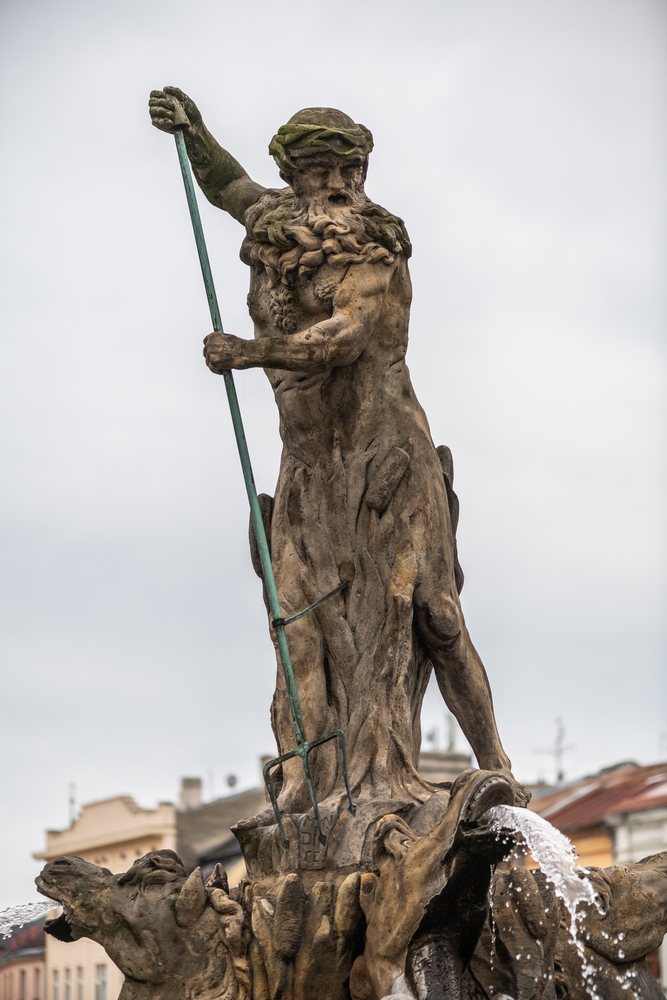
411,894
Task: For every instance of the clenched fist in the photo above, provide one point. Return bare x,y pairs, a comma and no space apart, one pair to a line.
170,106
224,351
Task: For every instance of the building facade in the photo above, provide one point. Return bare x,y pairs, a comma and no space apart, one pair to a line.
113,834
22,962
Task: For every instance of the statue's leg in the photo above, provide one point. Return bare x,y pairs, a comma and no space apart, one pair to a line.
299,552
308,660
460,673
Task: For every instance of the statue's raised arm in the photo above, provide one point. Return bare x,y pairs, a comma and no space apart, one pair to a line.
222,178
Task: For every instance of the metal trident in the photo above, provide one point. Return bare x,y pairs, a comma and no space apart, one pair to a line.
303,746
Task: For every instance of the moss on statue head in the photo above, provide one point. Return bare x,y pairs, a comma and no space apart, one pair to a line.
312,132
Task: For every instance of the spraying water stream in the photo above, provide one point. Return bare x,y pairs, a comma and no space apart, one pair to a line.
556,857
553,852
17,916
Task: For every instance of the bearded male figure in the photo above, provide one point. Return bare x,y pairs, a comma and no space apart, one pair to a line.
363,496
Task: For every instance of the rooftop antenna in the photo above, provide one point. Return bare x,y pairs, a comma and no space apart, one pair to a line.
303,745
558,751
72,802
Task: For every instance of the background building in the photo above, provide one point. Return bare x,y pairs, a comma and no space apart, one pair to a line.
442,765
111,833
22,963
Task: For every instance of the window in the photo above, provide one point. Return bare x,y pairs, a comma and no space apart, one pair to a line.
56,984
22,985
68,985
37,986
100,982
79,982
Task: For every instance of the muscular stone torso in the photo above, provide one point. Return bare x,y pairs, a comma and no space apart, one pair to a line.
312,406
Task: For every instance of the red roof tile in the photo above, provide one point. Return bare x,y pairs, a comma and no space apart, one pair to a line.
586,803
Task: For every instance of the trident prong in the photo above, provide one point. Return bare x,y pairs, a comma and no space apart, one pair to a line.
302,751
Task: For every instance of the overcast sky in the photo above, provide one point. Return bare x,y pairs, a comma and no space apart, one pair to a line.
524,145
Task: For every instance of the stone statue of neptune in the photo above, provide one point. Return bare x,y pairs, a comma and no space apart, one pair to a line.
363,495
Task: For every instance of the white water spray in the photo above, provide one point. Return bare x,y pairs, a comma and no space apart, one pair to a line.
17,916
553,852
557,859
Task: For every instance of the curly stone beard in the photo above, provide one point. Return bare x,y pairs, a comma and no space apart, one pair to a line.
290,242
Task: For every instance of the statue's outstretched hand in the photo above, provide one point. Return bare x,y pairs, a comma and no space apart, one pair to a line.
171,107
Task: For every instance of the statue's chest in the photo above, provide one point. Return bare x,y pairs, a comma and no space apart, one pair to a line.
285,309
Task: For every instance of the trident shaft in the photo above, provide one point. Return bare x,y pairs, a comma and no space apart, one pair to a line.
303,746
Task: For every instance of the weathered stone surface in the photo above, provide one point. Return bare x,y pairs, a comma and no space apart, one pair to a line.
430,892
172,937
526,950
306,929
411,925
631,924
516,949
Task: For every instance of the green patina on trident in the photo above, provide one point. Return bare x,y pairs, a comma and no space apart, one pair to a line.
303,747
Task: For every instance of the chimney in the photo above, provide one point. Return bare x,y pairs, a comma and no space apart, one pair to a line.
190,797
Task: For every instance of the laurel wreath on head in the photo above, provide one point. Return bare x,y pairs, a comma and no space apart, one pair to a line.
294,141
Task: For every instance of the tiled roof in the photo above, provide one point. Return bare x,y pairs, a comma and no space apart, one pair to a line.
651,794
588,802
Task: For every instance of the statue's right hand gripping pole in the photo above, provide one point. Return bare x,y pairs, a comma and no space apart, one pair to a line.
303,747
